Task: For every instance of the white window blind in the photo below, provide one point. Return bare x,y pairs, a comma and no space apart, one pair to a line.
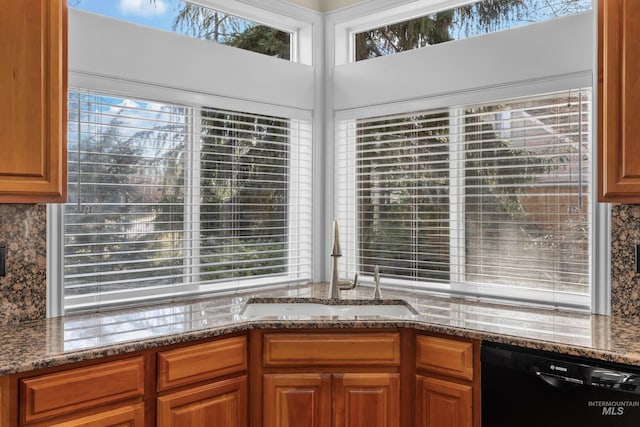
491,199
173,200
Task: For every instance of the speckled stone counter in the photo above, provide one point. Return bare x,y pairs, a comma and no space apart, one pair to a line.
58,341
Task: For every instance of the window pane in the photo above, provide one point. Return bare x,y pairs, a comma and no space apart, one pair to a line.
124,220
403,207
196,21
527,166
244,210
470,20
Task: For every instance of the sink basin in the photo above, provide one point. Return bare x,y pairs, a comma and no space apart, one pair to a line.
312,307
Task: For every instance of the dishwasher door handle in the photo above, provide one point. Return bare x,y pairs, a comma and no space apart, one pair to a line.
556,380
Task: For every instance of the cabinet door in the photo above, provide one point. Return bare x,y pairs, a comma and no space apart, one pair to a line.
220,404
619,101
33,80
126,416
366,400
296,400
442,403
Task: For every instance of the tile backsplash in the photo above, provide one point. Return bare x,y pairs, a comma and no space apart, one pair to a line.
23,289
625,282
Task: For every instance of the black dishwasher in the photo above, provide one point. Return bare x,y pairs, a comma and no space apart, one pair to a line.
531,388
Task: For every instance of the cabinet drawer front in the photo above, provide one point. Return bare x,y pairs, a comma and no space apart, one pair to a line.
445,356
80,388
201,362
126,416
332,349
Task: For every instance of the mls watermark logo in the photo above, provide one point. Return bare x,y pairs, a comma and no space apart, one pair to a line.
613,408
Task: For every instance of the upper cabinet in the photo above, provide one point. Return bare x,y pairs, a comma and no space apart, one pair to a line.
33,84
619,101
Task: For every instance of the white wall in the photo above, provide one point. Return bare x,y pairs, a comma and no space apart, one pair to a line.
483,62
169,60
325,5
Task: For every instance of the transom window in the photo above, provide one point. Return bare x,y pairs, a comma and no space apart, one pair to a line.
194,20
469,20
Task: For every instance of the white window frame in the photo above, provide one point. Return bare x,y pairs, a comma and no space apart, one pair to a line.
378,14
55,223
273,14
347,189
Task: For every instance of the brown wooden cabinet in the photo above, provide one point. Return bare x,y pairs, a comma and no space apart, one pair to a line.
332,400
332,379
125,416
195,388
618,101
366,400
222,404
33,84
441,403
105,394
196,385
447,383
283,378
297,399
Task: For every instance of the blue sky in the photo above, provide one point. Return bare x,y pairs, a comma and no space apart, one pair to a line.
159,15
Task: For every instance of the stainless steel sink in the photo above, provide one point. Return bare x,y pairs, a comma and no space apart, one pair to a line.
283,307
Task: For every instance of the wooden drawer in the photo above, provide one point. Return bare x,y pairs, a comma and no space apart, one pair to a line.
124,416
445,356
80,388
380,349
201,362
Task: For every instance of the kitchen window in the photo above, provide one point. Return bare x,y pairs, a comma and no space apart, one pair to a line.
170,200
466,167
489,199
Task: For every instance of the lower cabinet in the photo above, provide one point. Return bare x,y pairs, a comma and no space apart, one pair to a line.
195,388
274,378
329,379
447,382
442,403
101,395
189,385
297,400
220,404
366,400
332,400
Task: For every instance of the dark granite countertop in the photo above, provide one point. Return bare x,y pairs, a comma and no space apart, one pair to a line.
62,340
